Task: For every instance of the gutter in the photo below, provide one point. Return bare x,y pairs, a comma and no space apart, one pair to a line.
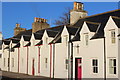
18,59
27,58
71,60
68,60
104,60
9,59
50,59
38,59
53,60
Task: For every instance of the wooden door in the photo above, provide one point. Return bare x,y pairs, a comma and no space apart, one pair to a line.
78,69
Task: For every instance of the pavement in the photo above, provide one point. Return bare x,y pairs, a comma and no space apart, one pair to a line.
18,76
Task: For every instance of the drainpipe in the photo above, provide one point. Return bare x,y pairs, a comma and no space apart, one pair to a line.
9,59
50,58
53,59
71,60
38,59
104,60
18,59
27,59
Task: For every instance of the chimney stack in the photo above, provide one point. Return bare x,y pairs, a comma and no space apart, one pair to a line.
17,25
18,29
78,6
39,24
77,12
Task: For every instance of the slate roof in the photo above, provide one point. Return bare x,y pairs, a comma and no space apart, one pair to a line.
7,47
27,32
6,42
96,23
38,36
15,40
40,43
116,20
28,44
17,45
27,37
52,33
99,18
71,31
92,26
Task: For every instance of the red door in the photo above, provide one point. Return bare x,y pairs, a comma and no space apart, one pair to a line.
78,69
33,69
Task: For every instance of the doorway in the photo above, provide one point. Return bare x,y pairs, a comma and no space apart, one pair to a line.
33,68
78,68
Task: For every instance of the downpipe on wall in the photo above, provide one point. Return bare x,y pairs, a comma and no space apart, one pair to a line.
104,59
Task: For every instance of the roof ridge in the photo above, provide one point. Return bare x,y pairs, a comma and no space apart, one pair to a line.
96,23
115,17
100,13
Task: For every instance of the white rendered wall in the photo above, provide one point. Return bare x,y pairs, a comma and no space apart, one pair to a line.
111,48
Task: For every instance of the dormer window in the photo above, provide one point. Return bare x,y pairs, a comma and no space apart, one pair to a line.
22,43
112,66
46,40
95,65
113,36
65,39
33,42
86,38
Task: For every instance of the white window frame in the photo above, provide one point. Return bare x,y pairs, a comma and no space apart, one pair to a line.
113,38
66,64
12,62
95,68
86,37
46,61
46,40
112,66
65,39
4,62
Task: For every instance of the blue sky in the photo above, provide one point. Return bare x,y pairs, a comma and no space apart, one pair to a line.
24,12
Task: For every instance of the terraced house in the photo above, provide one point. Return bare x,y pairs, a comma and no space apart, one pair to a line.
86,48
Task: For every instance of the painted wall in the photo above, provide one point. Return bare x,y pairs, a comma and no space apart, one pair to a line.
111,48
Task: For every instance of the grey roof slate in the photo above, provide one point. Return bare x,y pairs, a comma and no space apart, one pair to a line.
99,18
17,45
116,20
27,37
40,43
28,44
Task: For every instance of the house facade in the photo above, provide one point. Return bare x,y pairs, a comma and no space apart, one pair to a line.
0,50
88,48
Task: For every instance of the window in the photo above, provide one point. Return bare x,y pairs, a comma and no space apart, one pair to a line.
12,62
113,36
22,43
112,66
86,39
4,62
95,65
66,64
12,49
8,62
33,42
46,61
0,55
46,40
66,39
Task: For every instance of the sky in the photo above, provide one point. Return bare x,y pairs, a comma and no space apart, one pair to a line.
24,12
